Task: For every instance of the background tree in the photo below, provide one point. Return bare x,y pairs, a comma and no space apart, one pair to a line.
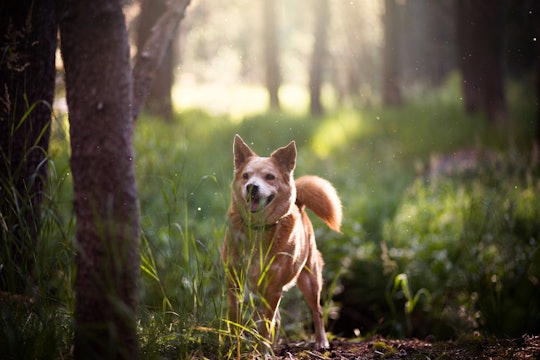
391,76
27,73
318,55
535,20
355,36
159,100
426,42
479,37
271,52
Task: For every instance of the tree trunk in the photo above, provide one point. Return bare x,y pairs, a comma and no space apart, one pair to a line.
466,25
271,53
535,20
491,37
322,17
159,98
27,73
153,52
479,27
391,76
99,95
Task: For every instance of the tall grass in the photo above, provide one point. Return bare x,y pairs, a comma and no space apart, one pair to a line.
470,240
37,322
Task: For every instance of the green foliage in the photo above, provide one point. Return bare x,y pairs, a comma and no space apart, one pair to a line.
428,246
401,282
473,243
37,323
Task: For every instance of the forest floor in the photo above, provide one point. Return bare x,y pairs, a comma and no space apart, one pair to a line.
526,347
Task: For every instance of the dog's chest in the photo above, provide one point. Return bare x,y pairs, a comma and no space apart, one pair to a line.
268,257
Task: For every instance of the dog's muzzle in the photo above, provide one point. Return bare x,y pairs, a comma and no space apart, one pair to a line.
254,199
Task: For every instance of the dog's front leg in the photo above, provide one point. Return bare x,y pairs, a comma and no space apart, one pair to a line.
233,306
233,294
269,328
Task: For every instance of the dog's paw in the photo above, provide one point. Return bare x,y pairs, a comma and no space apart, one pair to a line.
322,345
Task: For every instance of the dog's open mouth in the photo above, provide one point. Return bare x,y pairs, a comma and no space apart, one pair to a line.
257,203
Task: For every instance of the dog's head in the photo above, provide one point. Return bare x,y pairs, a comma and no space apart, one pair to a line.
263,187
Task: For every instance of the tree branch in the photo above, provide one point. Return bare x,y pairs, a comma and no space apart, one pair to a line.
150,58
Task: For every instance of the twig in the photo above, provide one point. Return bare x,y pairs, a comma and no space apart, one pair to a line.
315,355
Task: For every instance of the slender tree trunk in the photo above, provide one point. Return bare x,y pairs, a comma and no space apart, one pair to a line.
479,34
322,17
27,73
391,76
271,53
466,24
159,98
537,83
154,51
494,99
536,26
99,94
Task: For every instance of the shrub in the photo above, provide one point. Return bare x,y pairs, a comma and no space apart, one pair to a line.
473,244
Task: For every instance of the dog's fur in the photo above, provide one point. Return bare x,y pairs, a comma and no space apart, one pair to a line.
270,243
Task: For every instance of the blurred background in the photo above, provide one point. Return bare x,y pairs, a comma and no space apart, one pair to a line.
423,114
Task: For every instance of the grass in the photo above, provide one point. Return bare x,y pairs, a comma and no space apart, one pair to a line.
470,240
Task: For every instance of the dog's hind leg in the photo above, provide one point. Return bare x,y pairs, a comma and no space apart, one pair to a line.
310,283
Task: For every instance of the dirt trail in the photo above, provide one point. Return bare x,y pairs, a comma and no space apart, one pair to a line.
526,347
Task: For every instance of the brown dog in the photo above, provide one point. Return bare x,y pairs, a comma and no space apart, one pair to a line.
270,243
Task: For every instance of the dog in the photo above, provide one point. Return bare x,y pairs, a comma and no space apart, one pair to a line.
269,243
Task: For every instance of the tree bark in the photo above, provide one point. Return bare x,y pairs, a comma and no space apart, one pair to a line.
536,22
159,97
271,53
479,35
467,51
322,17
491,37
391,76
27,73
95,50
154,51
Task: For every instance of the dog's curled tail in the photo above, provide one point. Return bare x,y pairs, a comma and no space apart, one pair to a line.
319,196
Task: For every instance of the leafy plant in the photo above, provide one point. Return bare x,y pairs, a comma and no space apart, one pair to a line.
401,282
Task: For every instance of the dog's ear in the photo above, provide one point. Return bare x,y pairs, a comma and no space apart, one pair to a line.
286,156
241,152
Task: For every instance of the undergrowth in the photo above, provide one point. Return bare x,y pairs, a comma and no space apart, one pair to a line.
421,252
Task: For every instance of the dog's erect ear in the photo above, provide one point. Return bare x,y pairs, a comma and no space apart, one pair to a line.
241,152
286,156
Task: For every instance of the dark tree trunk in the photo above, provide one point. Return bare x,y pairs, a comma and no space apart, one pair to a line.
491,37
391,76
537,82
154,51
99,95
27,73
439,53
479,35
271,53
322,17
535,19
466,24
159,98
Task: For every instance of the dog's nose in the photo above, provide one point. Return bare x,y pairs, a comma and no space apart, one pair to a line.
252,190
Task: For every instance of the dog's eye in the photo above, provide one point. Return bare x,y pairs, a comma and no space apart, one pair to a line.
245,176
270,177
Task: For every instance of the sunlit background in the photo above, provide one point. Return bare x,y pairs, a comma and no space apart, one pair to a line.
441,194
